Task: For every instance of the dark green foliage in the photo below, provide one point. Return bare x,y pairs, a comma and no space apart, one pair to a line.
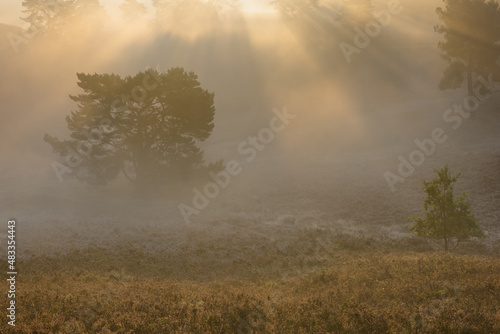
445,216
471,30
146,126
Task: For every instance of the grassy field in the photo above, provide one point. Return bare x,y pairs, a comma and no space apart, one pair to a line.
362,291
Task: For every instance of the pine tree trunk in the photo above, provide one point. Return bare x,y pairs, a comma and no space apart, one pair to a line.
469,81
470,87
141,177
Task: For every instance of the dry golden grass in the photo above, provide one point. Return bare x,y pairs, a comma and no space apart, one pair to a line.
95,291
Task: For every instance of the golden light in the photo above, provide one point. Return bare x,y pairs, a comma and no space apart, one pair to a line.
256,7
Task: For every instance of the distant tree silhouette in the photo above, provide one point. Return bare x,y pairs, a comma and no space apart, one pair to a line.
164,7
356,13
295,9
445,217
314,22
471,31
64,17
146,126
133,10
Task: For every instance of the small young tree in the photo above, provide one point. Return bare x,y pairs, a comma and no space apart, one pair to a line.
445,217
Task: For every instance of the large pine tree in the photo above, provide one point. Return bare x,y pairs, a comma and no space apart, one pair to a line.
146,126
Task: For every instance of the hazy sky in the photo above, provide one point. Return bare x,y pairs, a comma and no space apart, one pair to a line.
11,10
